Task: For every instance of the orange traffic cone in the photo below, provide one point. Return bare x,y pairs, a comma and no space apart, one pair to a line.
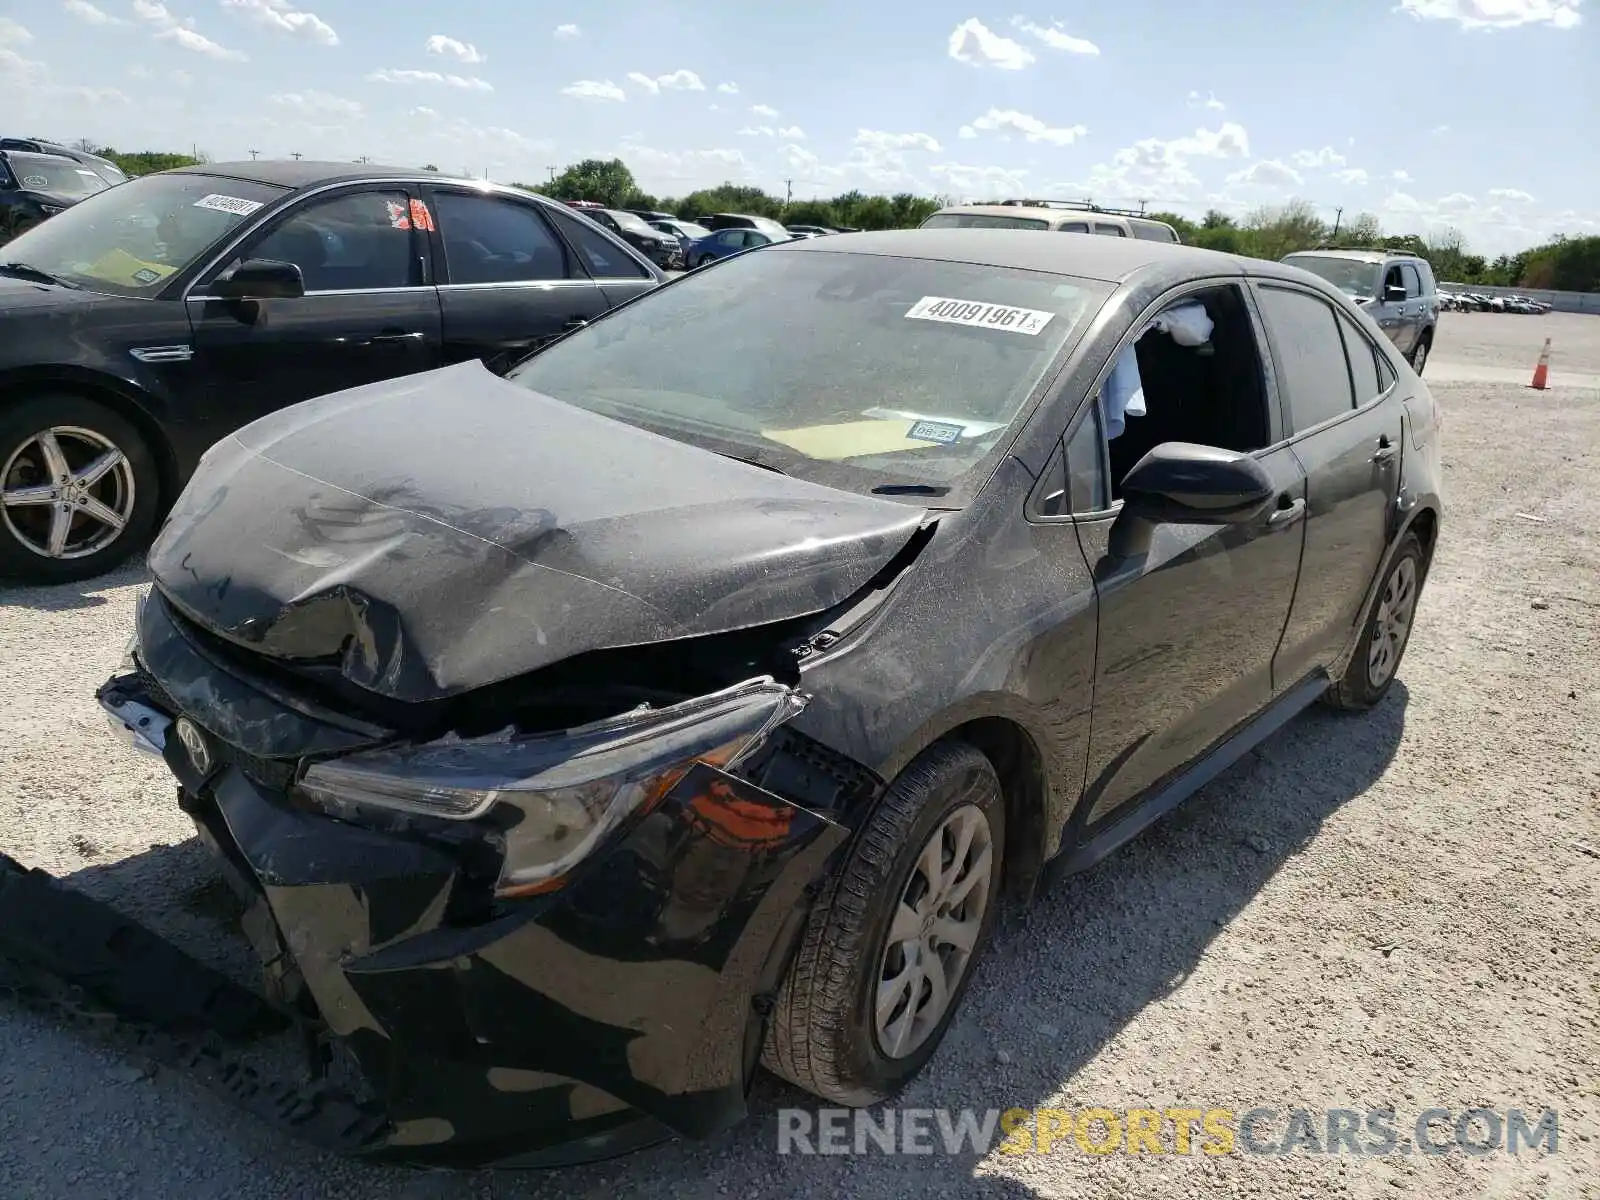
1541,373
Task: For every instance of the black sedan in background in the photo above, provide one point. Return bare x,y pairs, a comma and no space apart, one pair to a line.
153,318
582,737
36,186
660,248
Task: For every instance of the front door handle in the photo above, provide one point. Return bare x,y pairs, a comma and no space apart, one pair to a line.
1386,450
574,323
1288,514
396,337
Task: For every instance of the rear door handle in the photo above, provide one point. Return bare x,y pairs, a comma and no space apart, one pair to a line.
1288,514
1386,450
575,323
394,337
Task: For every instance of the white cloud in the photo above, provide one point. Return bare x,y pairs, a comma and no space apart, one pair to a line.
673,81
183,36
763,110
1456,202
966,131
594,89
468,83
1268,173
1209,100
1354,176
89,14
281,16
1326,157
792,132
1401,176
317,106
450,47
974,42
183,33
1441,129
728,89
1154,166
1496,14
1055,37
568,31
981,182
1031,128
1401,202
13,33
1515,194
874,139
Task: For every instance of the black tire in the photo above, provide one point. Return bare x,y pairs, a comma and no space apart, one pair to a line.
1356,691
1420,352
822,1035
19,424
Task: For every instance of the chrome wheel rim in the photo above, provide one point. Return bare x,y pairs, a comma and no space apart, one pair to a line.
66,492
934,931
1421,359
1391,624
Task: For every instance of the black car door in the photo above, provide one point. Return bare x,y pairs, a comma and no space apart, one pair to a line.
1187,630
369,312
508,283
1345,409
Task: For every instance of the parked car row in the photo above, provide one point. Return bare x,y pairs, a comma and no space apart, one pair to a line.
697,243
1481,302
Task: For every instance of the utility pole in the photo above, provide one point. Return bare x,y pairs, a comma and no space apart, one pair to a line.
1338,215
552,171
254,154
788,191
363,159
1141,207
297,156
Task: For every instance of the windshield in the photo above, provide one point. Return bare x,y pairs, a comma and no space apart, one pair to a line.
855,371
1351,276
630,222
129,239
56,175
982,221
691,230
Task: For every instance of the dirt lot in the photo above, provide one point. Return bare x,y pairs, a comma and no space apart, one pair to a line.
1395,910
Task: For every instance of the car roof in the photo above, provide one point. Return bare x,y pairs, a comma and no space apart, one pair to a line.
1110,260
292,173
1372,256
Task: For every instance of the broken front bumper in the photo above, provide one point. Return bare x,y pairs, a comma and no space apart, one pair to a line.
574,1025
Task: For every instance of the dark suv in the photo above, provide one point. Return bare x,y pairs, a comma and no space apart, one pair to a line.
34,187
1395,286
660,248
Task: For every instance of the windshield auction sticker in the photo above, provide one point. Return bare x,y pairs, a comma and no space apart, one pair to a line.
228,204
979,315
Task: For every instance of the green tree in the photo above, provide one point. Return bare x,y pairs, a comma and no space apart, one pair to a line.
605,181
811,212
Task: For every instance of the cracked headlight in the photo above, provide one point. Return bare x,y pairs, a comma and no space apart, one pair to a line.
551,798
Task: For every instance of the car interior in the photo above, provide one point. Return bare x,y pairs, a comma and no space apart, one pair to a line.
342,256
1213,394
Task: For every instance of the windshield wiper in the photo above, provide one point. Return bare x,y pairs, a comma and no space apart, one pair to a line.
754,463
24,271
910,489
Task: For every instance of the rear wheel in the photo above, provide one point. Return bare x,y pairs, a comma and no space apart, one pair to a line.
1419,353
889,948
78,489
1383,642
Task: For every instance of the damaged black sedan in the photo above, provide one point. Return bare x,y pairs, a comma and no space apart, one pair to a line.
585,737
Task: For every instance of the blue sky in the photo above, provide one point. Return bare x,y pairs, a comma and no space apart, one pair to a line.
1476,114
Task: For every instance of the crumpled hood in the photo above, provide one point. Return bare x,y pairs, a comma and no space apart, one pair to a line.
443,531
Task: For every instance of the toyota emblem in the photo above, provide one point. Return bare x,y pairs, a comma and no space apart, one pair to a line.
195,744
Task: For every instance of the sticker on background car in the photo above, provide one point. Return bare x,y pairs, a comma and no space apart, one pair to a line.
979,315
35,181
228,204
943,432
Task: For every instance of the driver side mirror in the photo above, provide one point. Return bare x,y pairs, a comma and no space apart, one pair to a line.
260,279
1394,293
1184,483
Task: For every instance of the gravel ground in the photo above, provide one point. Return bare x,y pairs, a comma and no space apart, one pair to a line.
1393,910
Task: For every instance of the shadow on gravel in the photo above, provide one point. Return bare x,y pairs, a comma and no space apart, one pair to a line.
68,597
1060,981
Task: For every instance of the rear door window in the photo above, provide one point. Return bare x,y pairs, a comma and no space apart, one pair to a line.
1363,362
492,240
1075,227
1310,356
1108,230
1412,281
598,253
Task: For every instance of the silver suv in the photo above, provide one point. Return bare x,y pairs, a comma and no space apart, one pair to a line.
1059,215
1395,286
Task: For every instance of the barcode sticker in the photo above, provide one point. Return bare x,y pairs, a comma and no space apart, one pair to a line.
228,204
979,315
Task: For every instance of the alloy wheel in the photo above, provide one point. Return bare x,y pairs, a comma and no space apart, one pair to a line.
67,492
1420,358
1392,622
934,931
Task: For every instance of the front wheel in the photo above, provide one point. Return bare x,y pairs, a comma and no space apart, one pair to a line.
79,489
890,945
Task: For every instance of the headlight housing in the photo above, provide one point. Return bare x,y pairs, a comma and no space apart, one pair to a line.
550,798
